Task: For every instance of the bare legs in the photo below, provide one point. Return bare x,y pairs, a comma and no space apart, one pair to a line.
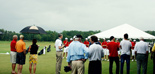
13,67
64,54
34,68
19,67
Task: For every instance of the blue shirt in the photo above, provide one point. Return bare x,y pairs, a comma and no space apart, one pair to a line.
76,51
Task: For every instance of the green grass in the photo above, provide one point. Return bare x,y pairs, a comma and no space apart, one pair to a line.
46,63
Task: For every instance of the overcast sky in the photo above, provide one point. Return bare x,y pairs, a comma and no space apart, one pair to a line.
83,15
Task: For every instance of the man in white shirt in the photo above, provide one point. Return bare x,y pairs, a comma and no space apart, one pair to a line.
125,46
141,52
96,53
59,48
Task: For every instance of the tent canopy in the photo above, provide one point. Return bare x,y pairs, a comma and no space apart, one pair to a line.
119,31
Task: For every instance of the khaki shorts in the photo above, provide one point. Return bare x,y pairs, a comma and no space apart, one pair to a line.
13,57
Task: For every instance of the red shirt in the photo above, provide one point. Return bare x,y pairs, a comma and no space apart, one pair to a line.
118,43
12,45
133,45
86,43
70,41
104,43
66,43
113,46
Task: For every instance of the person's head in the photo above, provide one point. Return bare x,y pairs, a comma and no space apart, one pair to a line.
93,39
134,41
66,39
112,38
22,37
60,36
71,39
74,37
126,36
141,38
86,39
104,40
78,38
15,37
117,40
34,41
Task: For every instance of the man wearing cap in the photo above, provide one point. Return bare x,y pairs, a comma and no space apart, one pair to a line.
13,53
125,46
77,55
66,43
21,53
141,52
86,42
133,51
113,51
104,45
59,49
71,39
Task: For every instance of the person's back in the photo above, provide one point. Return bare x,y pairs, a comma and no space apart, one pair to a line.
96,52
77,51
20,45
113,48
142,46
125,45
34,49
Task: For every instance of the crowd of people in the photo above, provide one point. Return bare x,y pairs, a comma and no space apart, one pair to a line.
111,50
18,54
77,52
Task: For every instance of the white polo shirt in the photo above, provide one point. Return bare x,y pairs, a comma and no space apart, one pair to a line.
96,52
141,47
58,43
126,45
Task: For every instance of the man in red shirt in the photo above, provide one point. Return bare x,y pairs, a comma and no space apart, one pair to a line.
13,53
70,40
113,48
133,51
66,43
86,42
104,45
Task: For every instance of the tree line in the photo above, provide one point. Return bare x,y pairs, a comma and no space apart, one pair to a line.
50,36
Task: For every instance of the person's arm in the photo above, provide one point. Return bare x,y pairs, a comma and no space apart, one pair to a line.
102,53
29,48
24,49
86,53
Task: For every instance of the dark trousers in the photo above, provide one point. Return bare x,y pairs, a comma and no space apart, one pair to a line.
142,61
95,67
111,59
127,58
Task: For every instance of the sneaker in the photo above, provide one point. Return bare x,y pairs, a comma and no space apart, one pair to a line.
135,60
132,60
63,57
102,59
108,60
66,57
105,59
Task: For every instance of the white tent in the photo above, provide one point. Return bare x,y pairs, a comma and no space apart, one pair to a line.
119,31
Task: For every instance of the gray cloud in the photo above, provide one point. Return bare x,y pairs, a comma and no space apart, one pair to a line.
82,15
